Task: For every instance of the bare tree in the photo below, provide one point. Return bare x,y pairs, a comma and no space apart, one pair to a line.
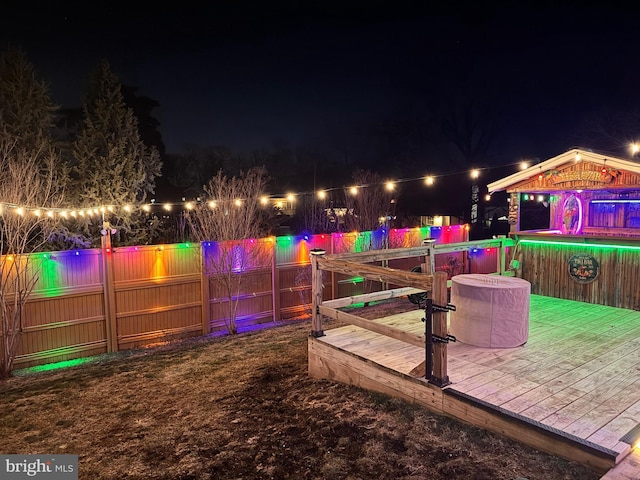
229,225
609,130
31,185
26,182
369,203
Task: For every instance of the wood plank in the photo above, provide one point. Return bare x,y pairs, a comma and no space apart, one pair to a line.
371,297
398,334
380,274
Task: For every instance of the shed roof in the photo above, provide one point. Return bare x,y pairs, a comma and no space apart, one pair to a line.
570,156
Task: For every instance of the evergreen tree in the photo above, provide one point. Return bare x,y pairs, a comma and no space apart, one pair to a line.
113,167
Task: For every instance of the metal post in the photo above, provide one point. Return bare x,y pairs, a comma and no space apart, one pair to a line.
428,334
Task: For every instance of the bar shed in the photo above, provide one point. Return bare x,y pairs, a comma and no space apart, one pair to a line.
591,249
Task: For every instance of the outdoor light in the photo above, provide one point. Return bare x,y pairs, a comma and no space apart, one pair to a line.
428,180
322,194
389,186
167,207
524,165
353,190
264,200
290,197
238,203
212,204
475,173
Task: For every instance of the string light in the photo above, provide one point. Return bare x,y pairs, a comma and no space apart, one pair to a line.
265,200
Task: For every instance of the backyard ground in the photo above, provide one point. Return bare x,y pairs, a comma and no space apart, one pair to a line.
243,407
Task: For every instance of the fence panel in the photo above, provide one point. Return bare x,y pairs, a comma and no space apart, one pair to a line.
64,318
158,292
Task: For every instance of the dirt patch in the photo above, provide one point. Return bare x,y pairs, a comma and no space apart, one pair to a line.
244,407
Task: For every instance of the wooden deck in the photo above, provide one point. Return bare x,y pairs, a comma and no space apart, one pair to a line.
572,390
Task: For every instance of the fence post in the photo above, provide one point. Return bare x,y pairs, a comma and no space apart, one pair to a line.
205,291
316,293
275,282
111,326
440,295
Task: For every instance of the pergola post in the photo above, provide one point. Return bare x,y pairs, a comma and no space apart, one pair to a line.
316,293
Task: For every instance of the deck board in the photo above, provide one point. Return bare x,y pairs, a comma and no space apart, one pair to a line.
578,372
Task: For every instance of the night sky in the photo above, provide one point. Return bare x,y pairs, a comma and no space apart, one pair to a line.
251,74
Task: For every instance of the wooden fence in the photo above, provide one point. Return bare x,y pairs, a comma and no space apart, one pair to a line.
88,302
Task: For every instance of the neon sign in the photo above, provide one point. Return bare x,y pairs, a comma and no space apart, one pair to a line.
572,215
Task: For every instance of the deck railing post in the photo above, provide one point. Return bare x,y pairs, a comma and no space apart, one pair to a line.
316,293
440,295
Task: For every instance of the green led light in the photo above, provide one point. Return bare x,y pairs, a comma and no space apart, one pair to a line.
577,244
58,365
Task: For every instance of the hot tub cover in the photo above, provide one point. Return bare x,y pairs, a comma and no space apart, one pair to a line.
491,310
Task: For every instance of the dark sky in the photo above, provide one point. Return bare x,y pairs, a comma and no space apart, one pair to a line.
244,74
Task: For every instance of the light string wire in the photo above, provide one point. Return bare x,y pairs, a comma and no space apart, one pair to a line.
101,210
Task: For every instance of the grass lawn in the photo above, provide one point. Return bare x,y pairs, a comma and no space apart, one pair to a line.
243,407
